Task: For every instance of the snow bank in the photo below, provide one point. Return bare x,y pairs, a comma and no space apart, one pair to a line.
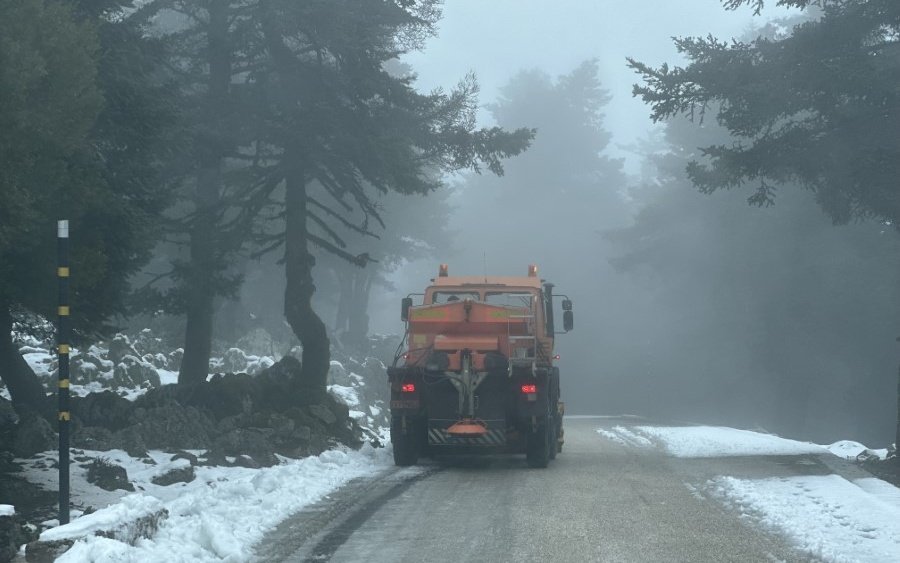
130,509
710,441
225,511
848,449
7,510
827,516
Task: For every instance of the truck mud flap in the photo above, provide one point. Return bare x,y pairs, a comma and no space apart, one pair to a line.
494,437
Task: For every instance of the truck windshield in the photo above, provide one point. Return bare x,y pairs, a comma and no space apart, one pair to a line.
509,299
452,296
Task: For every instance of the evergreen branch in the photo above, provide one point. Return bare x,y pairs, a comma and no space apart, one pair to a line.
343,221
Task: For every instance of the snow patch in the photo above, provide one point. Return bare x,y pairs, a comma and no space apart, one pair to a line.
710,441
827,516
226,510
7,510
131,508
347,395
848,449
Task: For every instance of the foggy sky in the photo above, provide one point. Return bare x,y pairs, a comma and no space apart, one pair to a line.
497,38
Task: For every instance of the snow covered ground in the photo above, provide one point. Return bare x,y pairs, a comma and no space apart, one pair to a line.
828,516
217,517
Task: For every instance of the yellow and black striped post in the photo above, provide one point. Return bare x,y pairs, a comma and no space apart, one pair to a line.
62,343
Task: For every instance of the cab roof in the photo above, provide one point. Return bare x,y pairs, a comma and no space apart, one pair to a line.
487,281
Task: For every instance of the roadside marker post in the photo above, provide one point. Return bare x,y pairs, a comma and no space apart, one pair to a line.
62,343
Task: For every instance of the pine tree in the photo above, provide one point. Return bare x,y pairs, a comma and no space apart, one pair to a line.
818,108
339,128
82,121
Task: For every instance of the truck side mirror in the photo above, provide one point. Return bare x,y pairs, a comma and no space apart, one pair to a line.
405,304
568,320
567,304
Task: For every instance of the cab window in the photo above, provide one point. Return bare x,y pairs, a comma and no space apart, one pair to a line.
510,299
440,297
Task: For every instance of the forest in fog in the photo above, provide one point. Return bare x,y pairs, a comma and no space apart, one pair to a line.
723,208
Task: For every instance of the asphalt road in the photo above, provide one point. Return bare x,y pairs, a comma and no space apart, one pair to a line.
599,501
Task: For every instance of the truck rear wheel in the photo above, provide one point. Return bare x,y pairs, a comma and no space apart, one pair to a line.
554,438
539,443
406,444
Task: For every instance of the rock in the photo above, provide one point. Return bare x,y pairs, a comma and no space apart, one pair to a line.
235,361
179,475
147,344
322,413
227,395
106,410
172,425
246,461
47,551
11,537
33,435
108,476
132,371
119,347
83,372
130,440
158,360
8,464
181,454
338,374
94,357
282,425
302,433
92,438
254,442
285,369
258,342
175,357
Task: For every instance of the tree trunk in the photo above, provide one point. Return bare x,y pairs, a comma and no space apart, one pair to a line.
298,265
358,328
345,300
24,387
198,331
204,233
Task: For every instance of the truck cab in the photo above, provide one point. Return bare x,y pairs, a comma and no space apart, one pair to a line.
476,371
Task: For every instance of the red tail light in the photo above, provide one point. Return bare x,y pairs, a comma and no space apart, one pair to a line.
529,388
408,388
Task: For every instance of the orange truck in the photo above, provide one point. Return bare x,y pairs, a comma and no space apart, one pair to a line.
475,372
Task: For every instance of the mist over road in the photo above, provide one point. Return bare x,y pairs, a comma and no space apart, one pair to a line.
604,499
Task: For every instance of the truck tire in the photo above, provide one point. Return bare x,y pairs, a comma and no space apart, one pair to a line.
406,447
538,449
554,439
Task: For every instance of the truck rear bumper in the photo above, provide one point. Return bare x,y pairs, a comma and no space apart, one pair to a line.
439,437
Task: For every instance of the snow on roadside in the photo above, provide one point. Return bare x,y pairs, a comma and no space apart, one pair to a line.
848,449
710,441
225,511
826,516
626,437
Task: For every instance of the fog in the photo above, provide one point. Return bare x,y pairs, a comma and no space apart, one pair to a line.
754,317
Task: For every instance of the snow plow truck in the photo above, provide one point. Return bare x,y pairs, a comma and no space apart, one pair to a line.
475,372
